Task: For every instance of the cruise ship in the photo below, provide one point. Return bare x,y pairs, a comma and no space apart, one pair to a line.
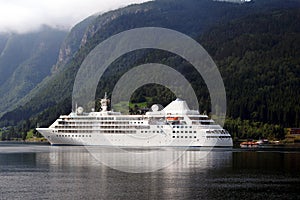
173,126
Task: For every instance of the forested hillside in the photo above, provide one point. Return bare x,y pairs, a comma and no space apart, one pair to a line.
259,59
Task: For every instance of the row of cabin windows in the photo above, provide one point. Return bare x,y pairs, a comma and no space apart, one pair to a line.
129,118
199,118
73,135
91,127
182,126
207,123
74,131
184,136
68,127
184,131
117,127
113,122
142,127
137,122
81,118
217,131
151,131
89,122
89,118
117,131
218,137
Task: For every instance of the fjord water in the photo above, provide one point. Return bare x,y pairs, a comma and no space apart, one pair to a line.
47,172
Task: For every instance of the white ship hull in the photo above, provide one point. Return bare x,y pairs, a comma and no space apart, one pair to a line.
122,140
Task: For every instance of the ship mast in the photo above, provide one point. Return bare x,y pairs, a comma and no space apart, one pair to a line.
104,103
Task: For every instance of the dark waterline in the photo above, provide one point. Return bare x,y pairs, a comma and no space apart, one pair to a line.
45,172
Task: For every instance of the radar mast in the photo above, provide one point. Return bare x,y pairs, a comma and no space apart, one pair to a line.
104,103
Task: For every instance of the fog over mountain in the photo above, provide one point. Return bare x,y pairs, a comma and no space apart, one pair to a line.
25,60
25,16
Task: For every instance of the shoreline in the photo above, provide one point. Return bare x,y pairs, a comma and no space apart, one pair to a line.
25,142
259,147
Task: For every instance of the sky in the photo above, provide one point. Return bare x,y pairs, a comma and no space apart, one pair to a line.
21,16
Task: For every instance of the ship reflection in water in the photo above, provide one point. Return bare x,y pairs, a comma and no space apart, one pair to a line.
139,160
143,160
43,172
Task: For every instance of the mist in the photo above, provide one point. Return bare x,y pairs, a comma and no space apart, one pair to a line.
21,16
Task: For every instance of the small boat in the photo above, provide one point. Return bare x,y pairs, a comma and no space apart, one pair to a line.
249,144
263,142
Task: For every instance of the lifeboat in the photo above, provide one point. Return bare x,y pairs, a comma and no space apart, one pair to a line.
172,118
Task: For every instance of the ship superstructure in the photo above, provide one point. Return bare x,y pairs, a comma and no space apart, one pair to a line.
173,126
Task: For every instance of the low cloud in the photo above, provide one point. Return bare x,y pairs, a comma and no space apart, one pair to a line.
28,15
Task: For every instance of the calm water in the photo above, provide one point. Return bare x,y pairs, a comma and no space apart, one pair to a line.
45,172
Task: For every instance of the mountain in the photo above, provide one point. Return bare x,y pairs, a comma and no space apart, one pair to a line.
259,59
199,19
3,40
73,42
25,60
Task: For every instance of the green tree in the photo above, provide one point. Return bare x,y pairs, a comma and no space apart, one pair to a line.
24,135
